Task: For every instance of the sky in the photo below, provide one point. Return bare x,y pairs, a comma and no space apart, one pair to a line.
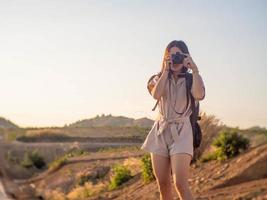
63,61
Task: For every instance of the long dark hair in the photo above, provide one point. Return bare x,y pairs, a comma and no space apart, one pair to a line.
182,46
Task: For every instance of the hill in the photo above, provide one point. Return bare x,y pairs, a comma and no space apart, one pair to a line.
239,178
109,120
7,124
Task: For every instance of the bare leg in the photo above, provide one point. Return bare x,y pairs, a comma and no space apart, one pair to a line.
180,164
162,171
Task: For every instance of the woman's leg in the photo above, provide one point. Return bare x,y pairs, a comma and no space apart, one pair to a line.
162,171
180,164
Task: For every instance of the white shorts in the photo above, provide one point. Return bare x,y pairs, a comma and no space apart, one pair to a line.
165,145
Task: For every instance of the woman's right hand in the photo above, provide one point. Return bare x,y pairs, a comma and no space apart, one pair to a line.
167,63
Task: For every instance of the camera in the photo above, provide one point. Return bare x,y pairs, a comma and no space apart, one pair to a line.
178,58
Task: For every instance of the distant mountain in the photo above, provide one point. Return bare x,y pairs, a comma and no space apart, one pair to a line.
6,124
257,128
143,122
109,120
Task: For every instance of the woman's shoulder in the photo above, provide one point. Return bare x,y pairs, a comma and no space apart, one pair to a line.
154,77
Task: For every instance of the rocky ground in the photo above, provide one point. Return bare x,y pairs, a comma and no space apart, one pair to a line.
240,178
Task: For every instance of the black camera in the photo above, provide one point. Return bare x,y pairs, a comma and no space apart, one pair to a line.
178,58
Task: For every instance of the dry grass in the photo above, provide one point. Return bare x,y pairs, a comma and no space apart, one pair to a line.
104,131
55,195
89,189
210,126
134,164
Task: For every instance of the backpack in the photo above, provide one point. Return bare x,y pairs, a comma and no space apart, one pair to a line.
194,117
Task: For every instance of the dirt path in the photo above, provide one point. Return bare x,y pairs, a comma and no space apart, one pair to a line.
85,159
239,178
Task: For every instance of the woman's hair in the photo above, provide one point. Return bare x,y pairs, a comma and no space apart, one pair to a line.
175,43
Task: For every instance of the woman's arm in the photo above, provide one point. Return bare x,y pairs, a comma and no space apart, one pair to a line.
157,89
157,85
198,87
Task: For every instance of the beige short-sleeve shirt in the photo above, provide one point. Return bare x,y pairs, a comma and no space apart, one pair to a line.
173,104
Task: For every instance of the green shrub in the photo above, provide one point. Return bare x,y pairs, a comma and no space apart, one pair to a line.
228,144
209,156
32,159
27,162
58,162
147,170
121,175
220,155
37,160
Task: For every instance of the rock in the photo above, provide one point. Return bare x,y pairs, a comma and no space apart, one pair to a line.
217,177
226,165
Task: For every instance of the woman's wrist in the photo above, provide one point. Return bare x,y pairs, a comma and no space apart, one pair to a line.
166,71
195,70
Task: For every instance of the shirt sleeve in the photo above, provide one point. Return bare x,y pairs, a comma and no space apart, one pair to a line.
198,87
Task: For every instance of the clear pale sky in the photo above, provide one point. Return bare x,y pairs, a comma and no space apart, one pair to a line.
63,61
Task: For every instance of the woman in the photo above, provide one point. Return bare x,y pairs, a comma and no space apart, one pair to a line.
170,141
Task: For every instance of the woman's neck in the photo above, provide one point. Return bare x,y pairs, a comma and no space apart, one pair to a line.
175,73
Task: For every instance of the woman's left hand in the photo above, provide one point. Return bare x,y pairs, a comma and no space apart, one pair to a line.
189,63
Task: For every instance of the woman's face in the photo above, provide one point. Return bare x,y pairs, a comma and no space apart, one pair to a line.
176,67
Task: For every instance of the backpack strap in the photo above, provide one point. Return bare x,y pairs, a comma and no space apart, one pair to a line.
155,105
189,82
